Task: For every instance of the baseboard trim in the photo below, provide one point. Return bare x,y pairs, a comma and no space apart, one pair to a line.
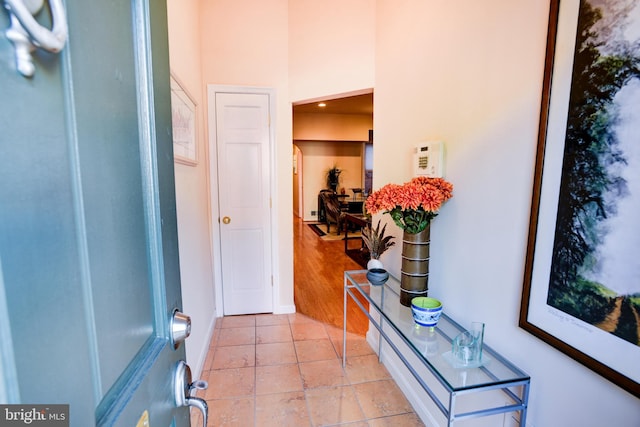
285,309
202,359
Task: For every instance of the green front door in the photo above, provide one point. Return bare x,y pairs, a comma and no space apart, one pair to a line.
89,272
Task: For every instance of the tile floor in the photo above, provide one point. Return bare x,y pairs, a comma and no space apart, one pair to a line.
286,370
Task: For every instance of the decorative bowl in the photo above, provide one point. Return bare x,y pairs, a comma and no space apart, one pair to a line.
426,311
377,276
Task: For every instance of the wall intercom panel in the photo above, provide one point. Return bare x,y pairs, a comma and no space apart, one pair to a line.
428,159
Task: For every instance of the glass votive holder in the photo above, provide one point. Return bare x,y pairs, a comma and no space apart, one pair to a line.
467,346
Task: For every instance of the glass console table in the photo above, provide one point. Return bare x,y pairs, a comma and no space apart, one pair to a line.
434,369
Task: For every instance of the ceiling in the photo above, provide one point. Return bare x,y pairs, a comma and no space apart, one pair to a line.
359,104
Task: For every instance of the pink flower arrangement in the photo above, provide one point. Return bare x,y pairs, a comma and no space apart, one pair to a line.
413,204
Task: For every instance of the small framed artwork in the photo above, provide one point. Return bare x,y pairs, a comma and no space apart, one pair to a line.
581,290
183,120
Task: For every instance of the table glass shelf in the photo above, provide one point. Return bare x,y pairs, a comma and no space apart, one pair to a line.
432,347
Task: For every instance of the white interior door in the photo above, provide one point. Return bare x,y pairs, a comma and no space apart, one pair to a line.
243,139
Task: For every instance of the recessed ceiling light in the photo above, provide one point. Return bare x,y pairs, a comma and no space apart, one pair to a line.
322,104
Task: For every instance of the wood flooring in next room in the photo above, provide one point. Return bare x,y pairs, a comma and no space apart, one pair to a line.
319,267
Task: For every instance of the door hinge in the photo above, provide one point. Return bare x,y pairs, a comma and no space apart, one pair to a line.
272,281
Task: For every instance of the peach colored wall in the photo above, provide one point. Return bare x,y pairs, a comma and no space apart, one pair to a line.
322,140
317,158
334,127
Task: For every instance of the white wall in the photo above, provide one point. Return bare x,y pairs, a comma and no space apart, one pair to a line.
245,43
470,74
192,187
331,47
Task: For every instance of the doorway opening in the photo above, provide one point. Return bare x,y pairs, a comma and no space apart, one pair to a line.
330,133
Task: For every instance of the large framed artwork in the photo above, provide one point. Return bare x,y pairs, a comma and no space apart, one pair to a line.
183,120
581,289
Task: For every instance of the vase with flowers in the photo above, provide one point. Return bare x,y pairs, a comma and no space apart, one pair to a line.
412,206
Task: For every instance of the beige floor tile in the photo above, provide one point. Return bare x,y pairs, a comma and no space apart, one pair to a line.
276,333
323,373
238,321
231,383
272,319
356,424
355,346
277,353
310,350
308,331
381,399
365,368
208,361
300,318
286,370
216,334
404,420
278,379
282,409
237,356
333,405
336,333
237,336
231,413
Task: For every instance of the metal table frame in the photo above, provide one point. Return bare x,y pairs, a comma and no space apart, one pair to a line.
355,281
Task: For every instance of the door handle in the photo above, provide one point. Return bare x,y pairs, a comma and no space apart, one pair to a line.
26,33
183,387
226,220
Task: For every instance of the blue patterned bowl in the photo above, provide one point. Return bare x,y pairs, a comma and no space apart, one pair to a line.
426,311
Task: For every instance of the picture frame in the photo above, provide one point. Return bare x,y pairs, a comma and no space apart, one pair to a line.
183,120
569,300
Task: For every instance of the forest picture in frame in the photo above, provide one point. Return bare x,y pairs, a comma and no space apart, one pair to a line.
581,290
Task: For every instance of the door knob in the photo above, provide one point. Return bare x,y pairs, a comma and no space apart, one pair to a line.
183,387
180,327
226,220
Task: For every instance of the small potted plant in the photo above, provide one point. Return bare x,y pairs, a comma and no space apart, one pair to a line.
377,243
333,177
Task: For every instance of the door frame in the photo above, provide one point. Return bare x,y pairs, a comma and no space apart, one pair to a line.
214,211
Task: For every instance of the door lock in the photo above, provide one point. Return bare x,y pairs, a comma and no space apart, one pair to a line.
183,387
180,327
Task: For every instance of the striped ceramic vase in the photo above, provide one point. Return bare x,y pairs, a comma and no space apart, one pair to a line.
414,278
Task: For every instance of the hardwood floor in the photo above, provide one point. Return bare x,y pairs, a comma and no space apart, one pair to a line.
318,279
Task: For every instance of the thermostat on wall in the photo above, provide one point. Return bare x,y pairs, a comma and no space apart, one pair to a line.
428,159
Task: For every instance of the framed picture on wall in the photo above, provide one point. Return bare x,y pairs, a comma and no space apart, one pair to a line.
581,289
183,120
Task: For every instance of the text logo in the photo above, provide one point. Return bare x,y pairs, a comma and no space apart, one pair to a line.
34,415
